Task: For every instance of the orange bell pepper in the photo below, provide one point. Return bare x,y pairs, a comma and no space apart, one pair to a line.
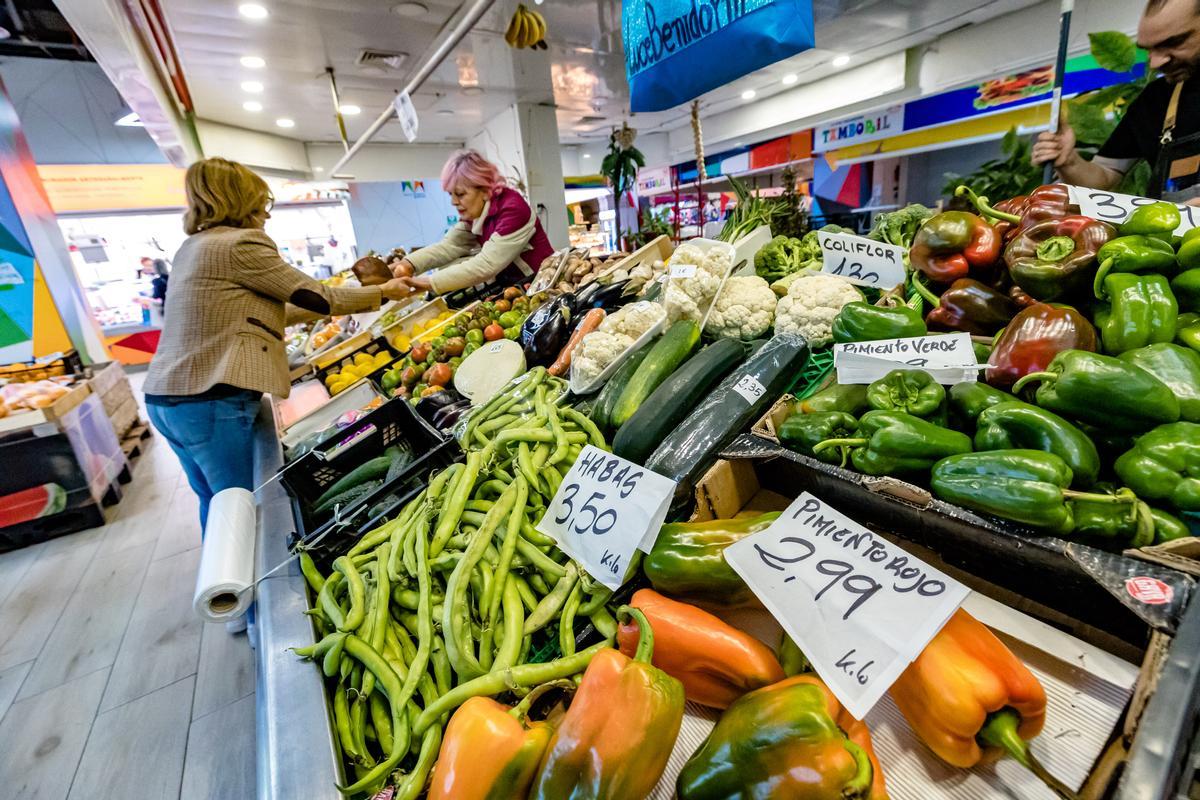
489,750
616,738
716,662
967,696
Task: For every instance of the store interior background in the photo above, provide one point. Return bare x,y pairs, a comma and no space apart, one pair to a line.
545,117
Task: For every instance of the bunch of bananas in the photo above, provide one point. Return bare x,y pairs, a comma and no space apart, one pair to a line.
527,29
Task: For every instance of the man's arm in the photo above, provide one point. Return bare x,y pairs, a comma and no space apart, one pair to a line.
1059,149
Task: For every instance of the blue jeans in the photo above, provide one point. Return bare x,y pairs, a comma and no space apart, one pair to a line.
214,440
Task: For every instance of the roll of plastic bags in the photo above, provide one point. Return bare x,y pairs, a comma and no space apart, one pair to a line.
223,584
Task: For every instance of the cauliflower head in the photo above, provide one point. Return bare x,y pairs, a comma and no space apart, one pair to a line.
810,306
688,297
634,319
596,351
744,310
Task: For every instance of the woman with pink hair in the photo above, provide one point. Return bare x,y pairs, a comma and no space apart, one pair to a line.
497,237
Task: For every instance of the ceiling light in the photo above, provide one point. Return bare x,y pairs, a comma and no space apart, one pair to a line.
318,169
252,105
253,62
252,11
284,122
130,120
410,9
749,94
790,78
253,87
349,110
841,61
587,155
472,91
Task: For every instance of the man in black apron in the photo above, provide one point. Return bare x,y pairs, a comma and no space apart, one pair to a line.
1162,126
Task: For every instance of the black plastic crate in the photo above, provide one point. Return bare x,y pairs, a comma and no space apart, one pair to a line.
336,536
393,423
371,348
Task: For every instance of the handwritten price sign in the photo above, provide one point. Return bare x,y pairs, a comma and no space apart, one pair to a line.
1115,207
949,358
861,260
605,509
859,607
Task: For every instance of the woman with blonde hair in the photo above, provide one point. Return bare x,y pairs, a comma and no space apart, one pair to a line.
498,237
222,347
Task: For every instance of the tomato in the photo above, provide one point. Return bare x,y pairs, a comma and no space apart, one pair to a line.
493,332
419,352
454,347
439,375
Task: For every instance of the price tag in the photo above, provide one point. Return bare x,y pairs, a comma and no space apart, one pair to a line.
859,607
861,260
495,347
683,270
605,509
949,358
406,112
750,388
1115,207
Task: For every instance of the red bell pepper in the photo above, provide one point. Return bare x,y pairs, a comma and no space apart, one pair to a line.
953,245
1015,216
1033,338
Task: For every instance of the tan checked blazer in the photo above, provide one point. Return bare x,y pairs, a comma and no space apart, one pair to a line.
225,313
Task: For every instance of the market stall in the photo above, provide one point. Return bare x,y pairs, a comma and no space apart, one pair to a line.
920,502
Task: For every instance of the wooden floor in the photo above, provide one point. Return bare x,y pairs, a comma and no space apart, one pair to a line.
110,686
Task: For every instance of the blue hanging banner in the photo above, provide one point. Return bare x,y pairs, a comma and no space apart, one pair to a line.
676,50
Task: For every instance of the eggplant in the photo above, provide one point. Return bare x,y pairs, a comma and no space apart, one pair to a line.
428,407
605,297
546,331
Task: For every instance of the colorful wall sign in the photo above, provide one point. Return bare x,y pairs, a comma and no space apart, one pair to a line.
112,187
863,128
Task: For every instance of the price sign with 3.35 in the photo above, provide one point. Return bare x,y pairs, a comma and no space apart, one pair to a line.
605,509
859,607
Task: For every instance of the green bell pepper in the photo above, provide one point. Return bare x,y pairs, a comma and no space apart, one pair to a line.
1188,253
1154,218
969,400
1132,254
687,561
896,443
1164,464
1168,527
1176,366
803,432
1187,330
864,322
1018,425
1026,486
912,391
1186,286
1142,311
1107,524
1103,391
850,398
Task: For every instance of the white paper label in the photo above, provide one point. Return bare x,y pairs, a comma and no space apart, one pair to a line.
859,607
949,358
683,270
750,388
861,260
495,347
605,509
1115,207
406,112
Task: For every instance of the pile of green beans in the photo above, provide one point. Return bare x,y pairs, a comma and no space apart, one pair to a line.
441,603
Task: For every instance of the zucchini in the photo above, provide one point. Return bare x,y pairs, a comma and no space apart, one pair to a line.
675,398
371,470
349,496
692,447
665,357
608,396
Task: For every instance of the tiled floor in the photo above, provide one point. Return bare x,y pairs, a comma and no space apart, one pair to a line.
110,687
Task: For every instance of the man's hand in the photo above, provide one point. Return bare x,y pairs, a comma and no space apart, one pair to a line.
402,268
1058,148
397,289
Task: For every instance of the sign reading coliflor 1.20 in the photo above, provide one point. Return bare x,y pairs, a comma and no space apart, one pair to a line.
676,50
863,128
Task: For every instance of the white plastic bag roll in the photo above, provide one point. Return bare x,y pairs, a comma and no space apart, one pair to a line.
227,557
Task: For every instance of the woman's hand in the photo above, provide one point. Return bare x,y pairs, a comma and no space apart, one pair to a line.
402,268
398,289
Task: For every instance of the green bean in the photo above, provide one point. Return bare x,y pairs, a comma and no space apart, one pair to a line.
414,783
577,437
311,574
501,471
527,597
341,720
603,622
358,717
551,603
493,683
536,558
560,439
446,561
594,436
455,614
408,598
379,609
333,656
511,435
535,536
508,549
480,505
525,465
374,538
382,721
328,603
566,622
539,584
419,508
553,479
496,423
408,558
452,512
514,621
358,593
390,683
442,672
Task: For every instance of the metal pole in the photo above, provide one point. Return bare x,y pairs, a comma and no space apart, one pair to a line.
337,108
460,30
1060,69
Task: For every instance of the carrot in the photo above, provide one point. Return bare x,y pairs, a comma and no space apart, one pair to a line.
591,320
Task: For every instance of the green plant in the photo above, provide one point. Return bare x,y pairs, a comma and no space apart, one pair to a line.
620,166
1002,178
653,224
1094,115
794,221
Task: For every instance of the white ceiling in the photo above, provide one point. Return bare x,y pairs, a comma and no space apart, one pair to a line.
301,37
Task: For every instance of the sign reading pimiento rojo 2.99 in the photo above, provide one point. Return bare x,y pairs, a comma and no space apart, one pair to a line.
859,607
676,50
